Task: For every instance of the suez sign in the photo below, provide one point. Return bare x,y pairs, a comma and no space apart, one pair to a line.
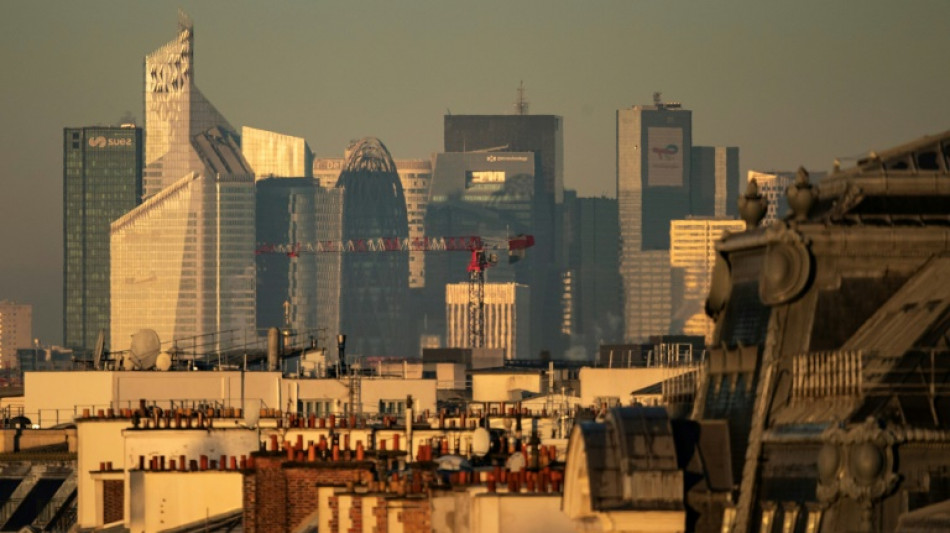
102,142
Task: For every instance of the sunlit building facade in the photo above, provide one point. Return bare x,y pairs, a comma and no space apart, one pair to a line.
275,155
415,175
374,286
183,261
175,111
693,251
102,180
16,323
506,321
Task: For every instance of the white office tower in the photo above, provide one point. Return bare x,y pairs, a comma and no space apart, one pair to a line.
275,155
415,175
175,112
506,322
183,261
693,250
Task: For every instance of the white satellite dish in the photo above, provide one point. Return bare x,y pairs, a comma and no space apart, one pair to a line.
144,351
481,442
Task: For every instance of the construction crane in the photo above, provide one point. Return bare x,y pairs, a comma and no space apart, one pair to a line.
483,250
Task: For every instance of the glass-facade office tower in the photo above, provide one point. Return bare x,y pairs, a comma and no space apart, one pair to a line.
592,227
183,261
662,177
693,251
375,286
716,182
275,155
415,176
300,292
542,135
175,111
489,194
653,175
102,180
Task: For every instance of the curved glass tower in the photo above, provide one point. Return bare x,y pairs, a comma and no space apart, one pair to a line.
374,285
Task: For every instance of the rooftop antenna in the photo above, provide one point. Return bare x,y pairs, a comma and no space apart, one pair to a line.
658,99
521,105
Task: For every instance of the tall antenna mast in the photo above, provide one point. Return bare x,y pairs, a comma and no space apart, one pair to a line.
521,105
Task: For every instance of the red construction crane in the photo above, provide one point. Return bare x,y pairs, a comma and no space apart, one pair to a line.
480,248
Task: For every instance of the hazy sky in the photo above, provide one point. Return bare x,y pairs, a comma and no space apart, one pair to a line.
789,84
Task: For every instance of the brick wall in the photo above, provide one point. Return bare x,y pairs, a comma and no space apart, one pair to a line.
279,495
113,500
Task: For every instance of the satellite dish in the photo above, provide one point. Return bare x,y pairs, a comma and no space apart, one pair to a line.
144,350
481,442
163,362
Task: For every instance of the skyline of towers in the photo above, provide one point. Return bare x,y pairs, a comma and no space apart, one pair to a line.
183,261
661,177
102,180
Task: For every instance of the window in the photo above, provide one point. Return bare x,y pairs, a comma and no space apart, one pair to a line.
320,408
392,407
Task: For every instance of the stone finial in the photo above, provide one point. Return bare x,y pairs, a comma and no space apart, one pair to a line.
801,195
752,205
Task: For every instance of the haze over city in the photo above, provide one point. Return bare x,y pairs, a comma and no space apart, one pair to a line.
787,84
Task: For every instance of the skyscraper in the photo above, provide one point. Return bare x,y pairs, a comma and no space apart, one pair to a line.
415,175
489,194
592,227
716,182
662,177
275,155
653,171
102,180
300,291
375,286
175,111
693,250
542,135
183,261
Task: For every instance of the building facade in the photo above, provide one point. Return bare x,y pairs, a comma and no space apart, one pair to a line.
488,194
716,182
175,111
16,323
653,173
299,292
183,261
542,136
374,286
415,176
693,252
507,315
102,180
662,177
275,155
594,302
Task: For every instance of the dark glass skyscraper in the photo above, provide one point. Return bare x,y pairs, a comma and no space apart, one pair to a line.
542,135
375,285
102,180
